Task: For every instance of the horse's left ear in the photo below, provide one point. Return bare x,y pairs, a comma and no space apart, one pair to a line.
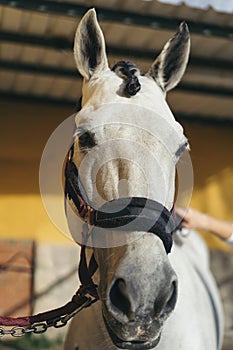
169,67
89,46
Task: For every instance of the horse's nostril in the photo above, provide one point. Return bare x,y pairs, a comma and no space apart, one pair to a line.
171,302
119,298
164,306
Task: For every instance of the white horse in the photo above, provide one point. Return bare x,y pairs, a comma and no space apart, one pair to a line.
126,144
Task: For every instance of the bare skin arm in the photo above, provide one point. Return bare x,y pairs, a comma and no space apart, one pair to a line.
193,219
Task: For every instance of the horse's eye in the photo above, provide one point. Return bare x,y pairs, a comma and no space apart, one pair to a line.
87,140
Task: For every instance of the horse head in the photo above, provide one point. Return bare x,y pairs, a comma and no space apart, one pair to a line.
126,145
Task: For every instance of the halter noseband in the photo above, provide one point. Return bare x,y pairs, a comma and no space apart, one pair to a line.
125,214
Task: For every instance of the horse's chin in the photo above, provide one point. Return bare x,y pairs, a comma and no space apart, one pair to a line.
131,345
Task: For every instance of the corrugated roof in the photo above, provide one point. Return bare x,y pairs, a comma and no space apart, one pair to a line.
36,41
217,5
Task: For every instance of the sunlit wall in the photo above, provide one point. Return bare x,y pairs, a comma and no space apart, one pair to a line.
25,128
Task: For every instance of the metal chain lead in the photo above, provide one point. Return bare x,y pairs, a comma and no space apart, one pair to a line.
42,327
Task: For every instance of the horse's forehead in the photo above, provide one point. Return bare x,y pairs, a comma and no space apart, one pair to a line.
107,88
147,109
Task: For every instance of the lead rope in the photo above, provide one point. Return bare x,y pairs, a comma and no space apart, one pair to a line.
58,317
86,272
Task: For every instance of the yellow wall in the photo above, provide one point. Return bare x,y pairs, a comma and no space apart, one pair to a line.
25,128
212,158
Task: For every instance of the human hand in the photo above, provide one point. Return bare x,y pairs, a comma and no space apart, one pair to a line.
193,219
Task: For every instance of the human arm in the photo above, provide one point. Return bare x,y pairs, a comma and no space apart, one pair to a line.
193,219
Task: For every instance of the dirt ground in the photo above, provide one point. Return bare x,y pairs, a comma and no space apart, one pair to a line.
31,343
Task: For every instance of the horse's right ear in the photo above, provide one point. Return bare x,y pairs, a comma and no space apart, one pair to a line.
89,46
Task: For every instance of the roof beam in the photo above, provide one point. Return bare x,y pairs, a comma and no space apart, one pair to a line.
56,43
182,117
125,17
38,69
59,43
73,73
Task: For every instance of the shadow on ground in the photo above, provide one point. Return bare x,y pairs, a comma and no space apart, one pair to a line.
31,343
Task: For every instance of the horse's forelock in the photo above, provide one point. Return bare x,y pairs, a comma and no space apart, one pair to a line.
129,72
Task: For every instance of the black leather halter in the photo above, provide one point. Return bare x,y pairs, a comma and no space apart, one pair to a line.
125,214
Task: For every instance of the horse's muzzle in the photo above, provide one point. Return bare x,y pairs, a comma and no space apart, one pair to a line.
132,323
130,343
